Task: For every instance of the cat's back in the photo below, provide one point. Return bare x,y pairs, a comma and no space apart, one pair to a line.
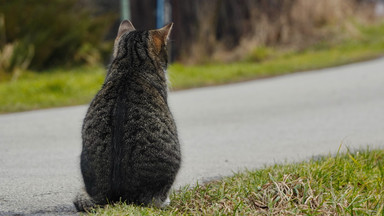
99,115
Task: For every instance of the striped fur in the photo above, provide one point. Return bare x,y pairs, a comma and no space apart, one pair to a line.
131,150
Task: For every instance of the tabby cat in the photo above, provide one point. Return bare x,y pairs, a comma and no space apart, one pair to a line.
131,151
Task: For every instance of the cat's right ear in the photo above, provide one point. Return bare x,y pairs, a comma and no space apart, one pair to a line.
125,26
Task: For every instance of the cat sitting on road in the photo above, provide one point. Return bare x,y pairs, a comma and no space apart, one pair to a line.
131,151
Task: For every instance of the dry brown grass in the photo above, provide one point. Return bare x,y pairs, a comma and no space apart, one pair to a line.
290,193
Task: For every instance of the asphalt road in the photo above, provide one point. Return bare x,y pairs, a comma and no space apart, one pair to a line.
222,129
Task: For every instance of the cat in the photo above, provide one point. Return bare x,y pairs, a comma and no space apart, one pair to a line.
131,151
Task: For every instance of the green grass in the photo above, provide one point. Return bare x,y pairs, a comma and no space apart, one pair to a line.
51,89
346,184
369,44
77,86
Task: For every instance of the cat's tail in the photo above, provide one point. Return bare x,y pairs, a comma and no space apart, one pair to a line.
83,202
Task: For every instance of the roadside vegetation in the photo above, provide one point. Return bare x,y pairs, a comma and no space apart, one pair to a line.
51,89
345,184
267,62
66,87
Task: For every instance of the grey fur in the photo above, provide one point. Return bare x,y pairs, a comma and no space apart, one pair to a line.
131,150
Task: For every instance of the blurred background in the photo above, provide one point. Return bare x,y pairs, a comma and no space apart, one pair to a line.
44,33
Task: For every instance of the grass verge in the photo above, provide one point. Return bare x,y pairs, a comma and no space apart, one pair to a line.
51,89
78,86
348,184
368,44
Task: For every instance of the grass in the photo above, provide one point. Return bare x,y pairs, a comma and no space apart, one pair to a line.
369,44
346,184
77,86
51,89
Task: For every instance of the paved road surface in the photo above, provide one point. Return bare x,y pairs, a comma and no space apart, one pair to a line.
222,129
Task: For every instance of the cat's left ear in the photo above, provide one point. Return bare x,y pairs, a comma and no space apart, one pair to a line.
160,36
125,26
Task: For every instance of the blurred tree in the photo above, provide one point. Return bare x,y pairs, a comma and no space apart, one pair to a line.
143,14
61,32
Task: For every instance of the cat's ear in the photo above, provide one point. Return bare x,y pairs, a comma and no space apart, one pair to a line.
125,26
160,36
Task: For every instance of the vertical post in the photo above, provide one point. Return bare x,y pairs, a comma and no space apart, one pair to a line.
167,11
160,14
125,10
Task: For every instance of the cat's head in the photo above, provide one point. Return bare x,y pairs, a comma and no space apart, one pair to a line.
154,42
